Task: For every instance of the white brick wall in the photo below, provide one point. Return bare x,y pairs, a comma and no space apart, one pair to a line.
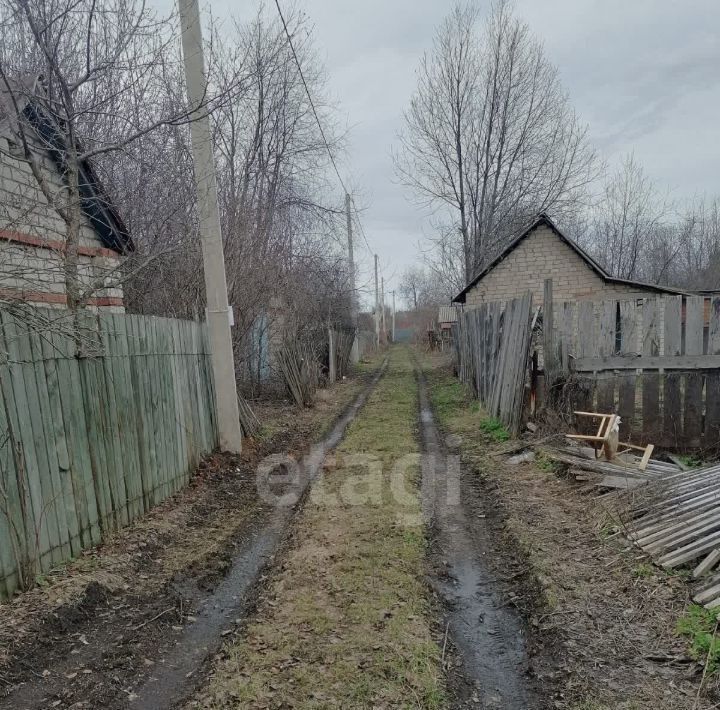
25,209
541,255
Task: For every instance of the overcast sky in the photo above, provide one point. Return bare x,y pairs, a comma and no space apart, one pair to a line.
644,74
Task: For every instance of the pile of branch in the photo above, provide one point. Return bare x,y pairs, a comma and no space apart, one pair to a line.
248,421
300,368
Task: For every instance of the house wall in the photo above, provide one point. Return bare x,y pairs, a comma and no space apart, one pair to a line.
542,255
32,240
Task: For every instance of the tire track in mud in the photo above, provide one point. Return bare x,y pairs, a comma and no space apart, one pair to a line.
179,675
180,670
486,633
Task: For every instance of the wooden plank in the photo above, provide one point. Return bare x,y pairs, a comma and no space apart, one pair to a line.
549,341
707,564
694,382
109,373
672,402
76,439
51,437
142,418
116,327
31,464
651,420
606,346
13,550
93,387
711,437
643,362
565,334
630,327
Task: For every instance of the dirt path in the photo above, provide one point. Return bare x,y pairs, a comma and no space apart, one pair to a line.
132,623
487,633
346,621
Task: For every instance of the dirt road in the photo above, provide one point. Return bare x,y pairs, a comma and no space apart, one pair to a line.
364,574
350,619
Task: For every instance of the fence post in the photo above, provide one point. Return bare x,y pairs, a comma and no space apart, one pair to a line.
548,328
332,375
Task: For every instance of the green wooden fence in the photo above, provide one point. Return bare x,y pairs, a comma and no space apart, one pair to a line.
100,419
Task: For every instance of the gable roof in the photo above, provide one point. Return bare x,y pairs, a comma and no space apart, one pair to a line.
543,220
95,201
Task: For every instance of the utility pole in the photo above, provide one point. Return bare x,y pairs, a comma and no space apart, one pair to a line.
218,311
355,352
377,305
382,301
393,317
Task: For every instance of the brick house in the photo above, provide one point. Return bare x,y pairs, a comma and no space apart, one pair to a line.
32,233
540,252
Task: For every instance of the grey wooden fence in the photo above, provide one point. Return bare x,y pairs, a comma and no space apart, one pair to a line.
654,361
99,421
491,345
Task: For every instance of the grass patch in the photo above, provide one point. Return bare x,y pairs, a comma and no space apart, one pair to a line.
346,624
495,429
691,460
644,570
698,625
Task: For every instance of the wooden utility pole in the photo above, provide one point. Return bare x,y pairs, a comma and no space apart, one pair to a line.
355,352
382,302
377,305
218,311
393,317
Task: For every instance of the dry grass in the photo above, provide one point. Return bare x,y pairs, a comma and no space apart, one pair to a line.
346,622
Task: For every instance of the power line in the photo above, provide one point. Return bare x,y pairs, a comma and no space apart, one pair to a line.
307,92
359,223
319,124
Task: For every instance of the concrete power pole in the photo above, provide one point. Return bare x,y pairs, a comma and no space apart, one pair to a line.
393,317
382,306
377,305
218,312
355,352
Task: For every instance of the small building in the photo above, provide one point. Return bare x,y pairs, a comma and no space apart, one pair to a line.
32,231
447,318
541,252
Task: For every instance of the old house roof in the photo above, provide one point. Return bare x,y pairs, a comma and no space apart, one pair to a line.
543,220
27,97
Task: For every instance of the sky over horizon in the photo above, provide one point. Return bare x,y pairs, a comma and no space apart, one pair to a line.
643,75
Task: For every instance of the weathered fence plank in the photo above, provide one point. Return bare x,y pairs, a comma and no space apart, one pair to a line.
712,385
693,406
654,361
492,352
672,402
100,418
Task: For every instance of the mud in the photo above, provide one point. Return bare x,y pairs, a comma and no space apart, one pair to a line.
173,681
485,633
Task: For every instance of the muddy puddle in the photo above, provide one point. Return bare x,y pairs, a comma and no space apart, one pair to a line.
486,632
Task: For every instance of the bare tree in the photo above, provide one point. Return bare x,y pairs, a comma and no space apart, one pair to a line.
627,222
490,136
